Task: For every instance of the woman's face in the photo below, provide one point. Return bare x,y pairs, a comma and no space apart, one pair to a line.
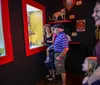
96,14
85,65
47,29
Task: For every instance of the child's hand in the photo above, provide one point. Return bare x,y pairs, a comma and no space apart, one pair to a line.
85,80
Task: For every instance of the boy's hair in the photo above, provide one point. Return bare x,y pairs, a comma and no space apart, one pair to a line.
52,28
61,26
92,64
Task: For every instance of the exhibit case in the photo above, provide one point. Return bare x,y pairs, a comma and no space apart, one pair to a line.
34,19
6,51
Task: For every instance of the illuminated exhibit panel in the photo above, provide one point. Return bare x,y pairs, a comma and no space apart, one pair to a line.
6,50
35,26
2,45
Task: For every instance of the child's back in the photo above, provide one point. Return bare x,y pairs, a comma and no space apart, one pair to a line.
95,83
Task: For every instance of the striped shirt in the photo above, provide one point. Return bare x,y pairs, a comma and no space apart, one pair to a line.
61,42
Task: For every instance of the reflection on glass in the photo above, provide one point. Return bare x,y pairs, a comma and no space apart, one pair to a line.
35,26
2,46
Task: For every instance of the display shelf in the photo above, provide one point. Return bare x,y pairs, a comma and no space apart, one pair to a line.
60,21
74,42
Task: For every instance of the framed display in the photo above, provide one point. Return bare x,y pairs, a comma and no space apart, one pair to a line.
6,51
34,19
71,16
69,3
79,2
80,25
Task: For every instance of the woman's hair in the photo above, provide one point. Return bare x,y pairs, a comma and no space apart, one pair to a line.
92,64
47,25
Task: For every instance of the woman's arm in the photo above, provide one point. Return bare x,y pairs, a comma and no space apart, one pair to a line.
53,38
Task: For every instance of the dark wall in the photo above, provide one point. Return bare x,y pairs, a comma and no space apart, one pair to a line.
83,11
28,70
24,70
77,53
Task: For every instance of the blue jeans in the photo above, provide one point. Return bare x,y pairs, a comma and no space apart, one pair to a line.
50,65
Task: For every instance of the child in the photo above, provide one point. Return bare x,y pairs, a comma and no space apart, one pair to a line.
89,67
50,47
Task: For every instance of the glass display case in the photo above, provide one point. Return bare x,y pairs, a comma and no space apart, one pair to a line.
34,19
6,51
35,26
2,45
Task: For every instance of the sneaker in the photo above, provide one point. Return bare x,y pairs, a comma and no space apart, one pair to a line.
47,60
47,76
50,79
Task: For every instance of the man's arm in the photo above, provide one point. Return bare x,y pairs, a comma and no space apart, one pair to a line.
64,52
95,76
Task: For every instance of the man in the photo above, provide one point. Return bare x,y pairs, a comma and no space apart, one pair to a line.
60,49
96,15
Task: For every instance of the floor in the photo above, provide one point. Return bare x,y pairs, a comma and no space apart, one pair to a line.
72,79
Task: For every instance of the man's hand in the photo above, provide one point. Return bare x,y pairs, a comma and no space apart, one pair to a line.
58,58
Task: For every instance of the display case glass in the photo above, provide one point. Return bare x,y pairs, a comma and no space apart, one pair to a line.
34,19
2,44
6,51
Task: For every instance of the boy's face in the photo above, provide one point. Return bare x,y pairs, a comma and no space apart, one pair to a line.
96,14
56,30
85,65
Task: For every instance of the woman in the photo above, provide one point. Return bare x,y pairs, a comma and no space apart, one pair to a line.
96,15
50,63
